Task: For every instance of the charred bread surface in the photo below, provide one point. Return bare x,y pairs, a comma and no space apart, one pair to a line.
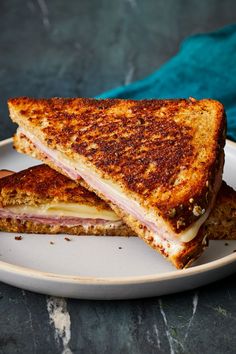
164,154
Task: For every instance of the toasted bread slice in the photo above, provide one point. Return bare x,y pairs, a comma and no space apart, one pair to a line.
221,224
158,163
41,200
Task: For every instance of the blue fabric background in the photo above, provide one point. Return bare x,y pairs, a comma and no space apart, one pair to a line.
205,67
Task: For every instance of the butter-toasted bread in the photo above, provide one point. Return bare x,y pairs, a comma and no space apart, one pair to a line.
165,156
221,224
27,196
41,184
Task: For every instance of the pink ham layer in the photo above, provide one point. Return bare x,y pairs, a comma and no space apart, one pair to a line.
60,220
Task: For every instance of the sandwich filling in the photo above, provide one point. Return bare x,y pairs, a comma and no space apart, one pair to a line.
66,214
161,231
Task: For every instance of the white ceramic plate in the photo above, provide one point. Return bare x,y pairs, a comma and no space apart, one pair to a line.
104,267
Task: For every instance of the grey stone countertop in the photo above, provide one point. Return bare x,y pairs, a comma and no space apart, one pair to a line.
81,48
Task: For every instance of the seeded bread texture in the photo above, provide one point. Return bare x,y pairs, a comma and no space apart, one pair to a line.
221,224
41,184
26,226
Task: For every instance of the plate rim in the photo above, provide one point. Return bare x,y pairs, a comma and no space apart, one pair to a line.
76,279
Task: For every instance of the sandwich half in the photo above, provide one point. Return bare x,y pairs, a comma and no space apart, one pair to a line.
158,163
41,200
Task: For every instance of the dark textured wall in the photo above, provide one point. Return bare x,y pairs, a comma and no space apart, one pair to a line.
81,48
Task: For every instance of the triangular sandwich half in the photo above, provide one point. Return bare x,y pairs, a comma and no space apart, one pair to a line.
158,163
41,200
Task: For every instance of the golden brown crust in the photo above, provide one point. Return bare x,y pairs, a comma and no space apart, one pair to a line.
190,251
23,226
221,224
41,184
4,173
163,153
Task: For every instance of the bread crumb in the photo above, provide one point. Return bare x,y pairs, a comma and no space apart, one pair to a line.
172,213
18,238
51,243
67,239
180,223
197,210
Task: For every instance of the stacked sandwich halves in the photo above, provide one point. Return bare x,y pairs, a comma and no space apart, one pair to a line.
157,163
41,200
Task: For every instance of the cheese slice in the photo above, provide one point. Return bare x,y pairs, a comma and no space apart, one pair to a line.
61,209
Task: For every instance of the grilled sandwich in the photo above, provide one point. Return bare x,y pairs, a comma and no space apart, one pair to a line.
158,163
41,200
52,198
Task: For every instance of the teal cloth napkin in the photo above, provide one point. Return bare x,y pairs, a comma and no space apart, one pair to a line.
205,67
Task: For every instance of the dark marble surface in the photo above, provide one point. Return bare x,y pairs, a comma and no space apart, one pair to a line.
80,48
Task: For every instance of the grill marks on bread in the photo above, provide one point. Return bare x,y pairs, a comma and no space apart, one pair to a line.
136,142
41,184
141,155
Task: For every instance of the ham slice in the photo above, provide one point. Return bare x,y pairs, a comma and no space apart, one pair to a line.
61,220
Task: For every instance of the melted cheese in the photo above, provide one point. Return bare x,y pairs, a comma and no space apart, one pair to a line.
192,231
65,209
